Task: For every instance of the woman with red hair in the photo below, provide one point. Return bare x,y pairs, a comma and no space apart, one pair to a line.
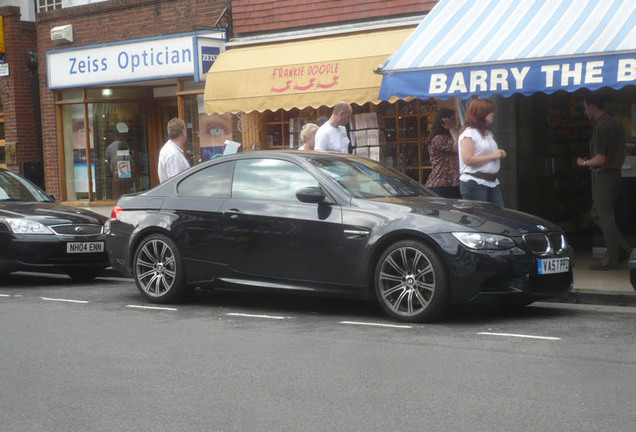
479,155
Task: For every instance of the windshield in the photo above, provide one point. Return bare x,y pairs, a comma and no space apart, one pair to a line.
364,178
15,188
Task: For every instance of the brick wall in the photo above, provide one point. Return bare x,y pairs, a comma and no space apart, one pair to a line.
19,90
110,21
253,16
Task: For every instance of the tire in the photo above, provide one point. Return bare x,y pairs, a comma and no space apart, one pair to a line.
411,284
158,270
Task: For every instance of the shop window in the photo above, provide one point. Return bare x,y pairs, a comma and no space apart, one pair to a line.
49,5
116,93
72,95
407,126
115,143
207,133
281,129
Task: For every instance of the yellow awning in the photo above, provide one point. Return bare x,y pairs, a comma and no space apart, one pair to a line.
299,74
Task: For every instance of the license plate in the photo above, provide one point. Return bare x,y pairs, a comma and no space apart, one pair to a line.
553,265
84,247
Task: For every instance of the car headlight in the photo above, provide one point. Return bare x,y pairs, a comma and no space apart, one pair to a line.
484,241
26,226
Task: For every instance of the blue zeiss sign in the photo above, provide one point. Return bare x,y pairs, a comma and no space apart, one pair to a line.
209,55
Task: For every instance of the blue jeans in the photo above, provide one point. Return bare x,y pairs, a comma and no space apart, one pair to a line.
471,190
447,191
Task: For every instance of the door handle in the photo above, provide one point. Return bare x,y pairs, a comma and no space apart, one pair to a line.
233,212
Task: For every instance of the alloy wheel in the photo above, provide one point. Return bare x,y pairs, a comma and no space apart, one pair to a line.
406,281
155,268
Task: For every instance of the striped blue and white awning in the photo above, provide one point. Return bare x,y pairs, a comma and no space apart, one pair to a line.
467,48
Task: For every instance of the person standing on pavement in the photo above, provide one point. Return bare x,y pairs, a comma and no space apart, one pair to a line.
308,136
332,135
442,148
172,158
607,153
479,155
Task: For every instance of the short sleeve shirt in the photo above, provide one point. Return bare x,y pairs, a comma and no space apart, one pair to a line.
171,161
608,139
331,139
483,145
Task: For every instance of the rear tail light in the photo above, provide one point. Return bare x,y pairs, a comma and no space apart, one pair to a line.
116,212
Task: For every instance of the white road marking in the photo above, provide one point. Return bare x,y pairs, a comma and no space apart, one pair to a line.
376,324
256,316
64,300
151,307
520,336
5,295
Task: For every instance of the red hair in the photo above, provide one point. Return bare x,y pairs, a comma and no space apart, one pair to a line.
476,115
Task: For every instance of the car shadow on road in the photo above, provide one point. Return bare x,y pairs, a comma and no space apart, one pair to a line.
41,280
281,303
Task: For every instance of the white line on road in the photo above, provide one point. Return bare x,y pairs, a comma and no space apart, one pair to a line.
256,316
519,336
64,300
5,295
376,324
151,307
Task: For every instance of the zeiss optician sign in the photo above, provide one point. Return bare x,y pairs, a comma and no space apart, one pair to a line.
546,75
138,60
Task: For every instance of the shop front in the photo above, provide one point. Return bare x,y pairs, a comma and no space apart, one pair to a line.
113,102
276,87
536,60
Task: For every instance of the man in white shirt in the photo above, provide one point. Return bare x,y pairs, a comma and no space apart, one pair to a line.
332,135
172,159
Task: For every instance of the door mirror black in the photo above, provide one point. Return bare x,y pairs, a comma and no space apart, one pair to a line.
52,197
310,194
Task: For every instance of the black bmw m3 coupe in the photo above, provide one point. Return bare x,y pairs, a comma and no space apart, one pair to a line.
336,224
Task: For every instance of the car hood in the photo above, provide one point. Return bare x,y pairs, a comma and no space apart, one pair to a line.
466,215
50,213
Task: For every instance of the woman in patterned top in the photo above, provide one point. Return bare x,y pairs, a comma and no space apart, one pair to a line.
442,148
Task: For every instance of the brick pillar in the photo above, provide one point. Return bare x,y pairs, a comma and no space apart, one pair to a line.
19,90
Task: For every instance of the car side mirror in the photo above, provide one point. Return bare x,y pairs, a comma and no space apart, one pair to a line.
310,194
52,197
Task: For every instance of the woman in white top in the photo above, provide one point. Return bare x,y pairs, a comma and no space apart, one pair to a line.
308,136
479,155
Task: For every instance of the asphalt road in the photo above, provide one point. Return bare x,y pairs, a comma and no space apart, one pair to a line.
93,357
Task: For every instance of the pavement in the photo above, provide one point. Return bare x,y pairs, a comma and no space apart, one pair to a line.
611,287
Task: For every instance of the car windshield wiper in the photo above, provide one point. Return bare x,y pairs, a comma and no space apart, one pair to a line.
410,194
9,199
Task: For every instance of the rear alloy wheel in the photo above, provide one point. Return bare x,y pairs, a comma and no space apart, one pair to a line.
410,282
158,270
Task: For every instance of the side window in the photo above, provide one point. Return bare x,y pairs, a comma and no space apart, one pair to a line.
269,179
212,181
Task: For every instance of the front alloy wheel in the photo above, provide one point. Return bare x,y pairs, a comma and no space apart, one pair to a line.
158,271
410,282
